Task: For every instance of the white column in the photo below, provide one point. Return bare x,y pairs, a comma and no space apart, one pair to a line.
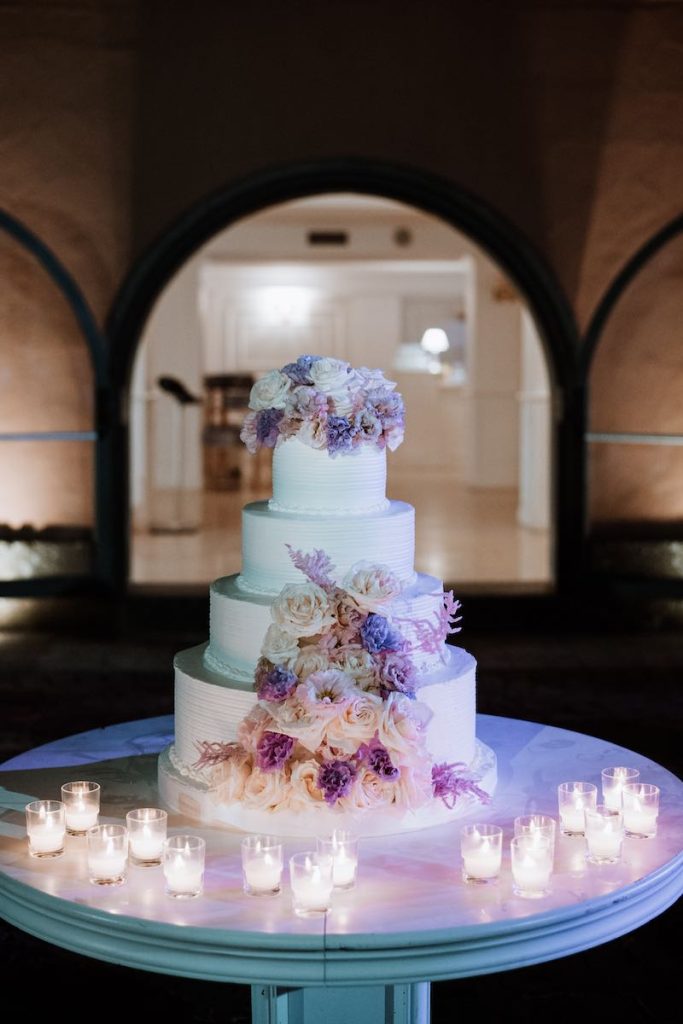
534,431
491,419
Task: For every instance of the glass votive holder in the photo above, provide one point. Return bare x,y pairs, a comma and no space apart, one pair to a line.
537,825
342,847
310,877
573,799
82,805
184,866
532,865
641,807
481,849
146,835
107,854
613,782
46,828
604,834
261,865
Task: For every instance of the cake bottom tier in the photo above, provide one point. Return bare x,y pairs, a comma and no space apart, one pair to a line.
190,796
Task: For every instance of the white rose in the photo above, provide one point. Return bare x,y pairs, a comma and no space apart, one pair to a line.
265,791
343,401
279,646
313,433
292,718
302,609
357,663
369,791
356,724
414,784
371,586
310,659
400,727
304,792
373,379
270,392
329,374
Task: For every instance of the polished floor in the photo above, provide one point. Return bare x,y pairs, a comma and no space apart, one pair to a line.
623,686
463,535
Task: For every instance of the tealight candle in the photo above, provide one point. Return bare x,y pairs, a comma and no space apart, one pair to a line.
532,865
573,799
184,866
536,825
146,835
311,881
604,834
342,847
82,804
46,828
613,782
481,848
107,854
261,865
641,807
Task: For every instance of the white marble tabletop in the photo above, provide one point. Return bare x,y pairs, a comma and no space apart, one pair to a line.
410,914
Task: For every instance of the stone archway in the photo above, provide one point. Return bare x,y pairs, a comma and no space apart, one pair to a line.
504,243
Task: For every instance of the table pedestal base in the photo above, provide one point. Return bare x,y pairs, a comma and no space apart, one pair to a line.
377,1004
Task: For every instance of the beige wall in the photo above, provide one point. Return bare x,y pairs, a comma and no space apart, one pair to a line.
568,119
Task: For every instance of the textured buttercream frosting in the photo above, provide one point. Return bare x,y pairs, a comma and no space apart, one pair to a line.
308,480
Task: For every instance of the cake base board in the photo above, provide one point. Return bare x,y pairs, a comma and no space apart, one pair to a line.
194,798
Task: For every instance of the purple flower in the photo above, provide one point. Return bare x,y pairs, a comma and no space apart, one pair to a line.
276,684
376,756
300,371
272,751
377,635
397,672
335,779
340,434
268,426
450,782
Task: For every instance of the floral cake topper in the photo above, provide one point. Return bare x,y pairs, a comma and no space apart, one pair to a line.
326,404
338,722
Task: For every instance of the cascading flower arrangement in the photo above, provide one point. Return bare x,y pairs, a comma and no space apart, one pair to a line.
337,723
326,404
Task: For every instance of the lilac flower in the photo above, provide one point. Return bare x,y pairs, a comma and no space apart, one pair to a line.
272,751
276,684
340,434
377,758
335,779
268,426
377,634
451,781
299,372
397,672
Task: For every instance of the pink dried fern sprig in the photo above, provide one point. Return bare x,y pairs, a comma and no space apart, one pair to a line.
211,754
451,782
431,634
316,566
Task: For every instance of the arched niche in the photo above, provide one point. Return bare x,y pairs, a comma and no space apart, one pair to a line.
633,361
505,244
52,369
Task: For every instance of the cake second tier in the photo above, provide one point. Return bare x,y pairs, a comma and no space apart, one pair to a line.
386,537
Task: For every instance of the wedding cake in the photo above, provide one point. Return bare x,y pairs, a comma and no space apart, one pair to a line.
327,695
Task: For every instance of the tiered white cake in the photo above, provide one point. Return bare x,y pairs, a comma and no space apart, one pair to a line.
336,505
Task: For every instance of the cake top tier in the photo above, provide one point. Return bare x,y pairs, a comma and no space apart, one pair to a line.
327,405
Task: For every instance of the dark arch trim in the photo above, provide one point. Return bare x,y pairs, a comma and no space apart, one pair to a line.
468,214
623,279
97,351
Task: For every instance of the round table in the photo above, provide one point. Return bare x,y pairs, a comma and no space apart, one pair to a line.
410,920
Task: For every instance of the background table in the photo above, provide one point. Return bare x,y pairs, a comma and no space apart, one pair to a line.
410,920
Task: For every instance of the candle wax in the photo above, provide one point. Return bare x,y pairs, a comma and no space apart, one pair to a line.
530,875
263,875
343,869
182,876
640,819
46,838
483,861
146,847
107,863
573,818
313,892
604,843
80,818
